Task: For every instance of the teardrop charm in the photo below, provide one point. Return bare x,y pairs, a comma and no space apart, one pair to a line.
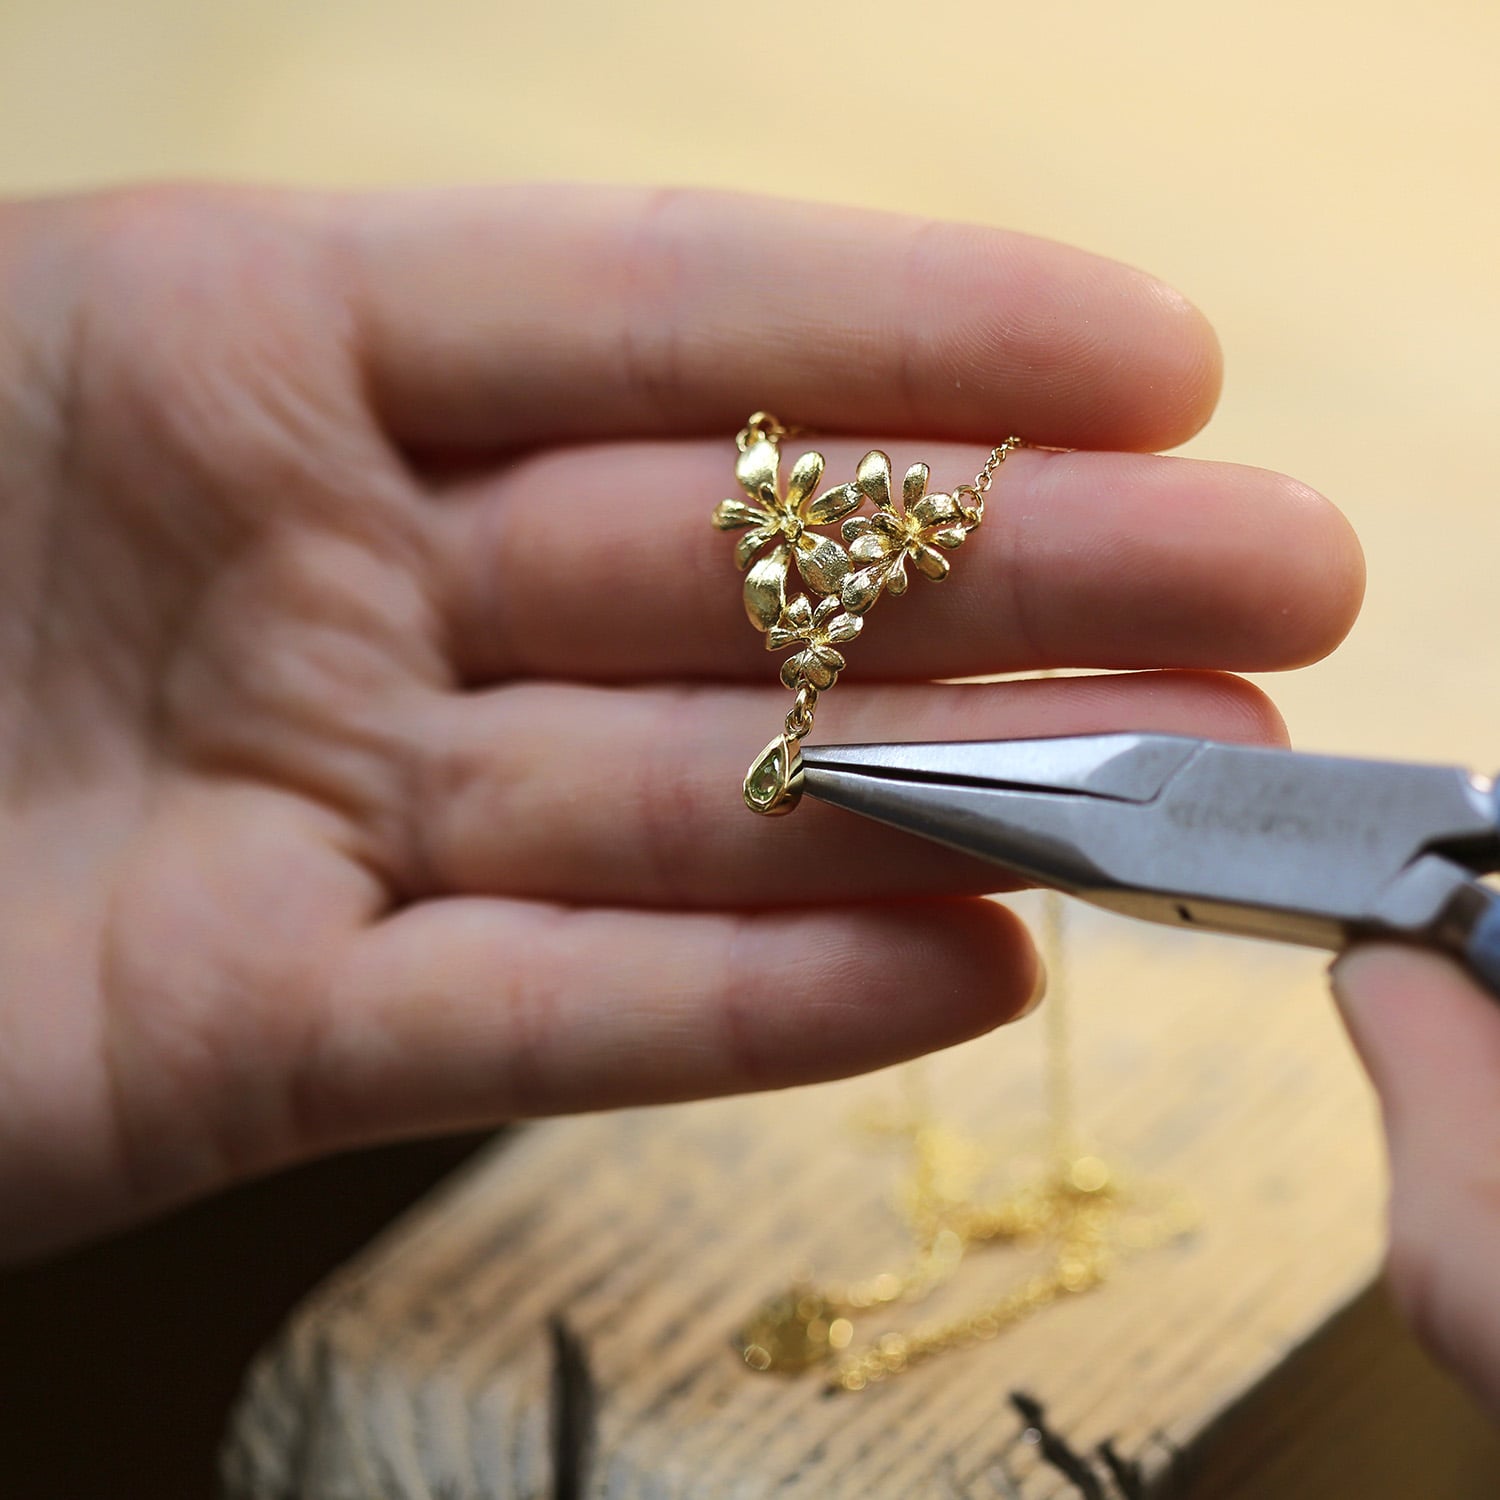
773,784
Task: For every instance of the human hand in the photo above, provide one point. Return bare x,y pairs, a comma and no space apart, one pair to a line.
1430,1039
377,693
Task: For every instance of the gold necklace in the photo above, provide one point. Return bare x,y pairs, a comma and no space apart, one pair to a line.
847,578
1076,1210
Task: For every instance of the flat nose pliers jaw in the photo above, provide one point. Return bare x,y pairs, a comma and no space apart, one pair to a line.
1313,849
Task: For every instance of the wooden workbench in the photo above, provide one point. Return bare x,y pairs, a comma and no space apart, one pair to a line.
565,1307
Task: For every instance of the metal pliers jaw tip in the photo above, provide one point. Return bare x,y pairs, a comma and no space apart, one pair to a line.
1321,850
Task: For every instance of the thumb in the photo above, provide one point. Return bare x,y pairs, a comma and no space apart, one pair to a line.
1430,1039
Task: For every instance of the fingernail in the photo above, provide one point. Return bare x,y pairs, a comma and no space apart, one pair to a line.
1038,989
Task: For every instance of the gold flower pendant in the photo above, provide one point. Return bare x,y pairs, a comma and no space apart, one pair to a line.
843,578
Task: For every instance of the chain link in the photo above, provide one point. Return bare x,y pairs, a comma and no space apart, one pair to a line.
762,428
799,721
974,493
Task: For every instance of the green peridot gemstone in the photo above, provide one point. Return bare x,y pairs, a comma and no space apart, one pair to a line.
765,778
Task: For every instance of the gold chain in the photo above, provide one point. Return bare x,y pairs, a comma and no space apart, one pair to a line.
1075,1210
974,512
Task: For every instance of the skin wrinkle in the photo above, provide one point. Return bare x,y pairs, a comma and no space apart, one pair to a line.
916,285
321,778
318,1067
300,1082
1015,579
287,419
132,1154
339,628
406,873
531,1009
497,542
652,279
159,1050
738,1004
59,383
338,241
63,389
721,227
982,343
514,780
666,823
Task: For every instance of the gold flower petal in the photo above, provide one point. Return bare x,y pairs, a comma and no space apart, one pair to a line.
914,485
799,614
896,583
757,470
823,564
751,543
870,549
803,480
856,527
833,505
874,478
730,515
844,628
950,537
931,562
822,666
792,670
862,589
825,610
936,510
765,588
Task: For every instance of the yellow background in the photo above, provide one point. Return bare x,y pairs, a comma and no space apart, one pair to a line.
1321,177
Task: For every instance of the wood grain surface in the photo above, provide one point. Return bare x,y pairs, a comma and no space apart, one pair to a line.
585,1278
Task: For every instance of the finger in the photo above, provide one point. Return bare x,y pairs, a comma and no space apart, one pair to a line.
1431,1042
602,564
460,1013
633,796
495,318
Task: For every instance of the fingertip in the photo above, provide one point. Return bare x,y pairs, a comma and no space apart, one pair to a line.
1068,348
1005,971
1182,367
960,968
1263,721
1428,1037
1168,353
999,975
1325,571
1371,975
1239,711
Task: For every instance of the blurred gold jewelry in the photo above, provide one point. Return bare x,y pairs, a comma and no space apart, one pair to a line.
845,578
1075,1210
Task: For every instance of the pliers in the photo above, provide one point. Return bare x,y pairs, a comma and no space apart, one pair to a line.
1313,849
